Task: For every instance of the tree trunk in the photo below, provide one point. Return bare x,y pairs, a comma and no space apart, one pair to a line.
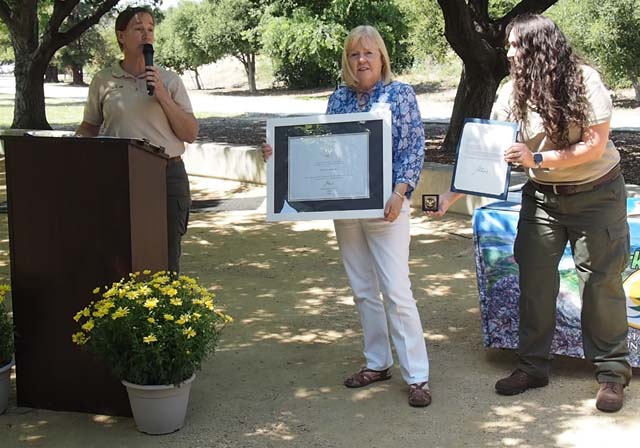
78,75
199,85
51,74
474,99
479,41
636,86
249,63
29,110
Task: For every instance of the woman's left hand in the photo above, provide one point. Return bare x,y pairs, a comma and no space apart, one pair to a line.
393,207
152,77
519,154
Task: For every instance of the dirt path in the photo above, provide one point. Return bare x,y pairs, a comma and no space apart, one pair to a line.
276,378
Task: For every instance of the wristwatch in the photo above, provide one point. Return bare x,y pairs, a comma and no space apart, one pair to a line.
537,159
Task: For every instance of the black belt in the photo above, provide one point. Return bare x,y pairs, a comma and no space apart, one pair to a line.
566,190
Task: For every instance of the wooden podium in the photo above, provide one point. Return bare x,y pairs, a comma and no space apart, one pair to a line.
83,212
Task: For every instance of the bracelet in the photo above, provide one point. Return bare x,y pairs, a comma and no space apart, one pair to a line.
399,194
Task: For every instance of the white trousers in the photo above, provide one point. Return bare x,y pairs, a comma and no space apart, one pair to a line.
375,254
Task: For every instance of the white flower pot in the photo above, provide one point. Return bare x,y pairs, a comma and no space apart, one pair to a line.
159,409
5,386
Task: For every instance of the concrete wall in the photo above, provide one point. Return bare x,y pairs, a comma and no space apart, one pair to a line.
244,163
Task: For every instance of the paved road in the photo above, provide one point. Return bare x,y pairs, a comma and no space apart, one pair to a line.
219,104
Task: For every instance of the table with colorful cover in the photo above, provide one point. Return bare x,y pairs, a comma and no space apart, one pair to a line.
494,229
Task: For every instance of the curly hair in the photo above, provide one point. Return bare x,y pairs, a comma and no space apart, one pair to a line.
547,77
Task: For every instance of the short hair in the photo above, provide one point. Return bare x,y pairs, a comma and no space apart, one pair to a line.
355,36
123,19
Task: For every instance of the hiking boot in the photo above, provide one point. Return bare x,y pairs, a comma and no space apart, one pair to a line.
518,382
610,397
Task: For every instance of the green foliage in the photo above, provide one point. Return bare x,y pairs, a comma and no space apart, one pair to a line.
607,32
110,52
151,329
426,29
6,50
305,43
231,27
178,43
499,8
304,49
6,329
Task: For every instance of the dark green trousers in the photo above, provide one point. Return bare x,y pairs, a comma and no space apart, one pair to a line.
178,205
595,224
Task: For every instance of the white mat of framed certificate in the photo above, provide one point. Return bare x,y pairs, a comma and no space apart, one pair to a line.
329,166
480,168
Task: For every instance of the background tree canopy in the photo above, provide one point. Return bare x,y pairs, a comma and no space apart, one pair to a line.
304,38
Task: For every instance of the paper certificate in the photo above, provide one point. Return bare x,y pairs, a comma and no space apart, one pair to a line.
480,166
329,167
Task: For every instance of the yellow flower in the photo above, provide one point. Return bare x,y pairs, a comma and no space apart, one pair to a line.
160,279
183,319
96,290
189,332
100,312
106,304
209,304
169,291
176,302
79,338
151,303
84,312
149,339
151,320
88,325
133,295
120,312
110,292
144,290
196,316
168,317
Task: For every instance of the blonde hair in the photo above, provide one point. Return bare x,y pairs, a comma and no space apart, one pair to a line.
356,35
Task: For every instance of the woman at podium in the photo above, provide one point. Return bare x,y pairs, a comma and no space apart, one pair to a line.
135,99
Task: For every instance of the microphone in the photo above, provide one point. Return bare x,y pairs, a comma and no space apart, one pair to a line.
147,51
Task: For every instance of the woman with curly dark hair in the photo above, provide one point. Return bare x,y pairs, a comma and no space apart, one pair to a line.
576,194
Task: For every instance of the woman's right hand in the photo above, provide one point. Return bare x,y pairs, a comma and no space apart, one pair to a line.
267,151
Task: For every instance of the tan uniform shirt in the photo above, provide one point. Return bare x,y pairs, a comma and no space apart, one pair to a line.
119,103
532,133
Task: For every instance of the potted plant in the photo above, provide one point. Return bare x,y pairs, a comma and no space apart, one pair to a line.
6,350
154,331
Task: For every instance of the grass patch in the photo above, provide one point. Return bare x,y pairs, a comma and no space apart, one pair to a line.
60,111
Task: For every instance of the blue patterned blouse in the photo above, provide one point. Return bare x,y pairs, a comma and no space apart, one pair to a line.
407,130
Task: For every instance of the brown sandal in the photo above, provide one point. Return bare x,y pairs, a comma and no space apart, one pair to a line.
365,376
419,395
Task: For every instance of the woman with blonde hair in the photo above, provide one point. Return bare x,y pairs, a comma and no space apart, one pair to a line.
375,252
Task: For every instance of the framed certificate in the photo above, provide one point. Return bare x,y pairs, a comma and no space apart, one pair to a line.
480,168
329,166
